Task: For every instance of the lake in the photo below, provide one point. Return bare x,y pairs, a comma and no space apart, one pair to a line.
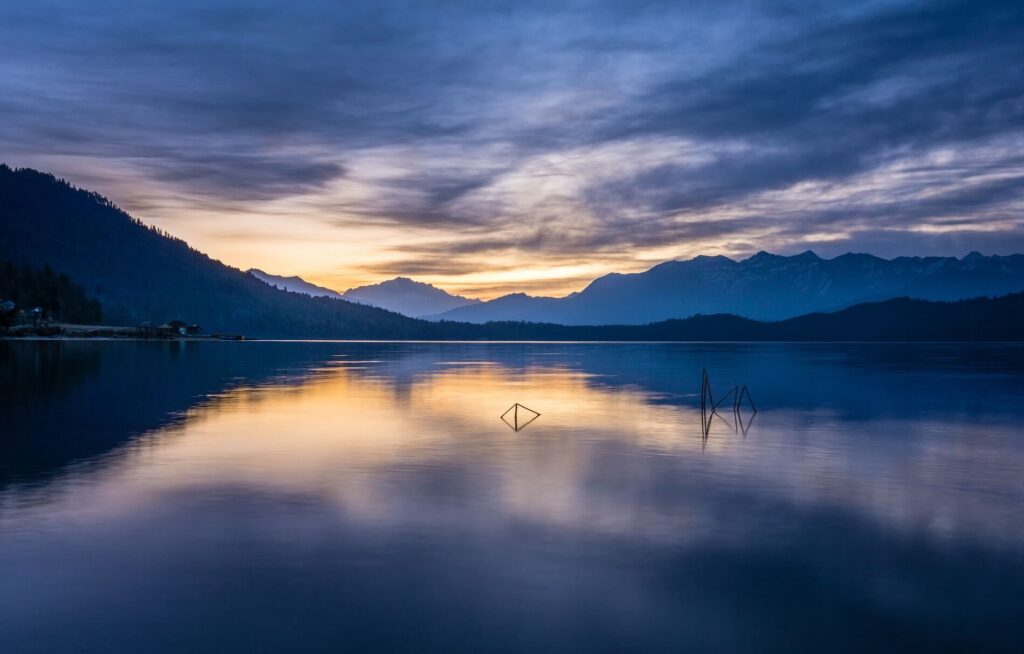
325,496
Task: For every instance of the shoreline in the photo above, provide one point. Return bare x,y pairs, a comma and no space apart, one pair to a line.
222,339
68,331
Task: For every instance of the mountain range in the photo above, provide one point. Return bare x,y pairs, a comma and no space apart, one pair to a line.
762,287
401,294
141,273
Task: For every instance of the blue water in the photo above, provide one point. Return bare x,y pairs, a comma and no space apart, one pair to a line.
328,497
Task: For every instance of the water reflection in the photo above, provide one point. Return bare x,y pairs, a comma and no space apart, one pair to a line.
324,496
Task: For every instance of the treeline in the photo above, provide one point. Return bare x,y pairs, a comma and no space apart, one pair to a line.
58,297
983,319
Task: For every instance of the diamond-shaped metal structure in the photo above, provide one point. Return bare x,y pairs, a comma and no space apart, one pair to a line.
520,416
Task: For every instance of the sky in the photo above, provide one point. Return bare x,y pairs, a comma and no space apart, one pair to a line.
491,147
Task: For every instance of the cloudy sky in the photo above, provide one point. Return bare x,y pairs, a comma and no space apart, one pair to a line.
495,146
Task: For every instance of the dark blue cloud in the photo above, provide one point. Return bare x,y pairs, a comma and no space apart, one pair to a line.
835,100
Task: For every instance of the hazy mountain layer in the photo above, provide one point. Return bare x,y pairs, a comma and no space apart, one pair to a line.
408,297
293,284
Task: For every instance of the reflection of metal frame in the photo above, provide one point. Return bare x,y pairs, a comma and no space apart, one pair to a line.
709,408
515,424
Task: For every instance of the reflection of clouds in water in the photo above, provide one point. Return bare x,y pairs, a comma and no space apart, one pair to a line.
415,441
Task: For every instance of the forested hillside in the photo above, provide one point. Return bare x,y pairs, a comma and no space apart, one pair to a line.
142,274
55,294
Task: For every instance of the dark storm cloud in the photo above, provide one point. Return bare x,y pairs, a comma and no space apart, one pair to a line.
206,86
796,81
235,176
433,114
833,101
944,208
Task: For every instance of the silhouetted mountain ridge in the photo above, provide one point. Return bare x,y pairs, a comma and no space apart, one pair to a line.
764,286
140,273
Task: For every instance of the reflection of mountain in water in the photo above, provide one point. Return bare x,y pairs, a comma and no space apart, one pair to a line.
861,381
63,401
376,477
67,401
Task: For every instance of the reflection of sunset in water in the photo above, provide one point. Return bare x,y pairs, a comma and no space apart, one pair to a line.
367,497
388,445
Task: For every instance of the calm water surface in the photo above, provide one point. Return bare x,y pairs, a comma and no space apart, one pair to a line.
292,497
